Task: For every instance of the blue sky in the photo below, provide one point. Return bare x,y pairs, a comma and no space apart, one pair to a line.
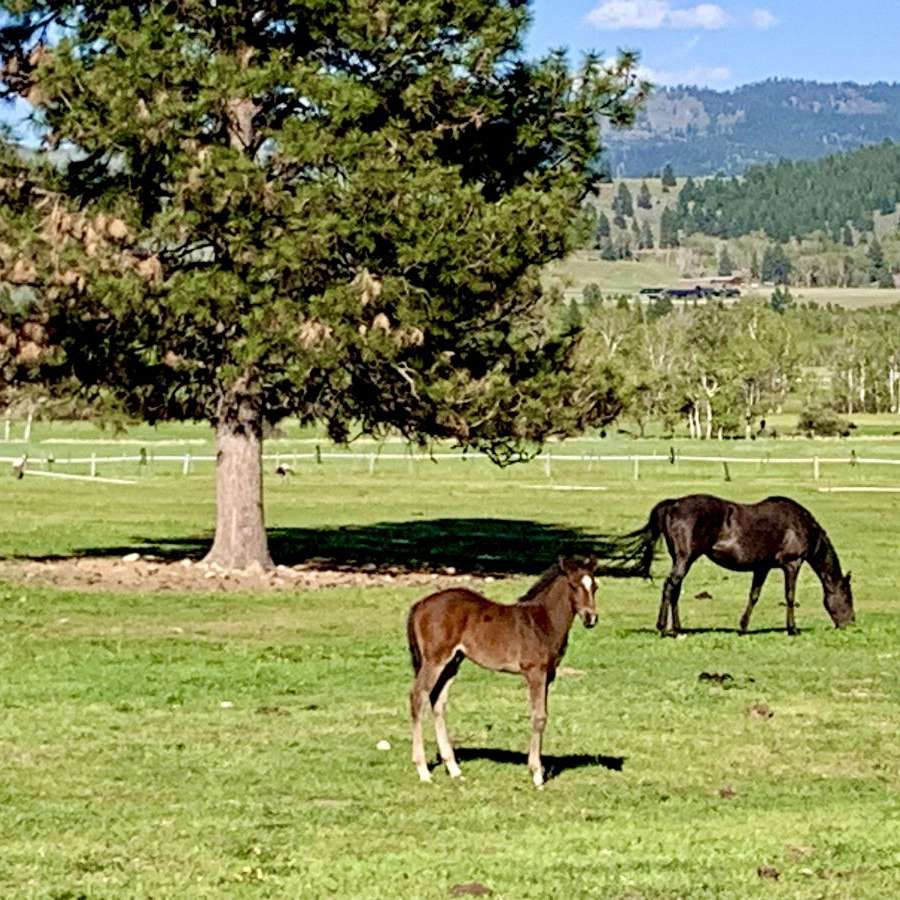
730,42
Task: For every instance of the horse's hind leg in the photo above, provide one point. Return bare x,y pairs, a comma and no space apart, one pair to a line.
419,699
670,593
440,723
759,578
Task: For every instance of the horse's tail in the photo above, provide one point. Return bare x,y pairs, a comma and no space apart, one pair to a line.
631,555
414,651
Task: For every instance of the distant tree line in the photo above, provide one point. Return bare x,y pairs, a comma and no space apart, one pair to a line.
717,370
837,195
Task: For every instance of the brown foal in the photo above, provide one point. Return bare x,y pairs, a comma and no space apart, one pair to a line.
528,638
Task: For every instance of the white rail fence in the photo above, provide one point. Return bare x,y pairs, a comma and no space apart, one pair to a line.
288,460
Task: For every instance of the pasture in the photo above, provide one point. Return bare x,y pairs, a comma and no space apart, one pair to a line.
223,743
660,268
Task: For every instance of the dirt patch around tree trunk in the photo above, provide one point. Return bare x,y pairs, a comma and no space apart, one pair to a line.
147,573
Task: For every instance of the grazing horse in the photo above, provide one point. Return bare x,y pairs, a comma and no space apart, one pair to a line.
776,533
527,638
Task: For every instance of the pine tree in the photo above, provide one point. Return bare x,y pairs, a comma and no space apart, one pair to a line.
878,272
668,176
776,265
602,230
646,237
623,204
781,300
644,201
754,266
847,236
608,250
592,296
668,229
572,321
337,213
725,266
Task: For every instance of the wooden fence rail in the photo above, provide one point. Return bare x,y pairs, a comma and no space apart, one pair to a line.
318,456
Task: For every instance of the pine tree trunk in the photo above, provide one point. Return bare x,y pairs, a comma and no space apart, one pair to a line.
240,541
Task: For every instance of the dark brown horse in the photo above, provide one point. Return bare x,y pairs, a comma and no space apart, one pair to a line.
527,638
776,533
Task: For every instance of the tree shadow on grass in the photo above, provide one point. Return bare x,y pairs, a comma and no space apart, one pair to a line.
554,765
486,546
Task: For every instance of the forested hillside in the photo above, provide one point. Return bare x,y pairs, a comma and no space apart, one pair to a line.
704,132
794,199
833,221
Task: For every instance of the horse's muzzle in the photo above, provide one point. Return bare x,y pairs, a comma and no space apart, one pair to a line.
590,620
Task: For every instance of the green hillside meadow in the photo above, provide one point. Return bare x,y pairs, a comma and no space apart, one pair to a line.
221,743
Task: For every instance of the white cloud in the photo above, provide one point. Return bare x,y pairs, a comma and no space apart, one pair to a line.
763,19
615,14
612,15
698,75
705,15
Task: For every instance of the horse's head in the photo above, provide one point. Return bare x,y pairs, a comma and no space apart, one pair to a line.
839,602
580,575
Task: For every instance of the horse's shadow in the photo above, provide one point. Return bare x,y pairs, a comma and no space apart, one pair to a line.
687,632
554,765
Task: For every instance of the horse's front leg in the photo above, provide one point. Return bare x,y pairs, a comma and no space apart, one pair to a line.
538,682
791,571
419,698
759,578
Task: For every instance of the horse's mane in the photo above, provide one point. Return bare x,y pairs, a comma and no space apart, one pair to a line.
541,584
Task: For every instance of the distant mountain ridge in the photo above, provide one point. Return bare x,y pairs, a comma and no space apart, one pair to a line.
701,131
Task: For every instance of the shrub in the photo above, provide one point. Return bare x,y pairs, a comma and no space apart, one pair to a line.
822,422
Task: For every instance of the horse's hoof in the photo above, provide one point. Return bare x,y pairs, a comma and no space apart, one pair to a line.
538,779
425,776
455,772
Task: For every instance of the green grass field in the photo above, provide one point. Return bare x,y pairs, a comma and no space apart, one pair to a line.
192,745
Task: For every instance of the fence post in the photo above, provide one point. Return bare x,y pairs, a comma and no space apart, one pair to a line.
547,469
6,430
186,464
371,463
93,465
637,468
727,473
816,468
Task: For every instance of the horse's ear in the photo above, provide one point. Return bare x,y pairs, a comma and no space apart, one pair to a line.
561,562
847,578
591,562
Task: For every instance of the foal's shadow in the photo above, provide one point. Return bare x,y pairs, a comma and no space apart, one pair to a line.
553,765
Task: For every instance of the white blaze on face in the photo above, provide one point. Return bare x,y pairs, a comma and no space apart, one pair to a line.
588,582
